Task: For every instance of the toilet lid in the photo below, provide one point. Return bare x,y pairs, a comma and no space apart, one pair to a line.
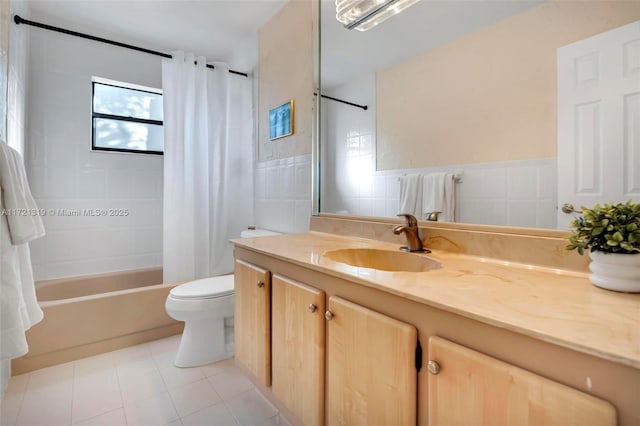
204,288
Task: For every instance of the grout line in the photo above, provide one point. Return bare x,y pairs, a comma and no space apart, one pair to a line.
115,367
24,395
233,416
166,386
73,389
97,415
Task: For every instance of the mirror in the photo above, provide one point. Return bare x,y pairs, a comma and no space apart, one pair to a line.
468,88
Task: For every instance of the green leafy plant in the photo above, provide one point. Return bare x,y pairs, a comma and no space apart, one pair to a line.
612,228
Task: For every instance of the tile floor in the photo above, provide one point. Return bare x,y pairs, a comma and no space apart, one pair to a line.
136,386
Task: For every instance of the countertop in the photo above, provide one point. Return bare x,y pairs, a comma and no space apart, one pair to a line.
557,306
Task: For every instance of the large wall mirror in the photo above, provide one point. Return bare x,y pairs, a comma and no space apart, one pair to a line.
524,105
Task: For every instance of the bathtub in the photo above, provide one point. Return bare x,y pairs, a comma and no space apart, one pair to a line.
93,314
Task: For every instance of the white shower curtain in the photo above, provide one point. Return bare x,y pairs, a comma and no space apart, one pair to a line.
208,166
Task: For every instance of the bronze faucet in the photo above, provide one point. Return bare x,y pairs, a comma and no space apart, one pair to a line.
432,216
411,231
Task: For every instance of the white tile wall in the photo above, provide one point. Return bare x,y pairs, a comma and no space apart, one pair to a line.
65,174
516,193
17,78
283,194
15,105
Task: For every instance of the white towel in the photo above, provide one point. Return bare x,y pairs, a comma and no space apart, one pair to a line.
19,223
411,195
17,196
438,195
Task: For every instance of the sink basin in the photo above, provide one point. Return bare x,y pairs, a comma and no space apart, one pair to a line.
385,260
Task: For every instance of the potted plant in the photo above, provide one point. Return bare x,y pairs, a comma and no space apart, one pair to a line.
612,235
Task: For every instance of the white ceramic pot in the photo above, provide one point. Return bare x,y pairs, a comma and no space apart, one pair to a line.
615,271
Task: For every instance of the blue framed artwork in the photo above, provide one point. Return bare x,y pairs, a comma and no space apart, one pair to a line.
281,121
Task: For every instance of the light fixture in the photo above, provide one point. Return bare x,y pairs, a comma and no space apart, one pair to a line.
366,14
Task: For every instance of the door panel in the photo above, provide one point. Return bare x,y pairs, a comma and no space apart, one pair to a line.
474,389
599,120
252,319
371,367
298,347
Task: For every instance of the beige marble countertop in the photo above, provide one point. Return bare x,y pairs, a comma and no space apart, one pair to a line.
557,306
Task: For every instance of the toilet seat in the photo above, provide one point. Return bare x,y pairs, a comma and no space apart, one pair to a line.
206,288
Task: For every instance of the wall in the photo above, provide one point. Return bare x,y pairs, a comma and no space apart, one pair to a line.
18,76
489,96
514,193
348,141
286,72
15,59
283,167
65,174
5,366
283,194
4,59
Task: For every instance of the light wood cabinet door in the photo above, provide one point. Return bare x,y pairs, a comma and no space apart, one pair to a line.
371,374
297,340
474,389
252,319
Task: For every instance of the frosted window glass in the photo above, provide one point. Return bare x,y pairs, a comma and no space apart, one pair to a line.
127,119
116,134
126,102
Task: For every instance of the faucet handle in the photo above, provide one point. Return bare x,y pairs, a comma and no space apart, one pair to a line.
409,218
433,216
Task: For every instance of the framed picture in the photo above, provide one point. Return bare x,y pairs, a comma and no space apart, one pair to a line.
281,121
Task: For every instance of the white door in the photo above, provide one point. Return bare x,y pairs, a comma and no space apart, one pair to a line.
599,120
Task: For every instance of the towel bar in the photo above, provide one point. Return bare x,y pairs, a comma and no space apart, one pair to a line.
457,177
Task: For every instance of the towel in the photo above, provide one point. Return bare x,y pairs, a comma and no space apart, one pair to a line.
411,195
19,224
17,196
438,195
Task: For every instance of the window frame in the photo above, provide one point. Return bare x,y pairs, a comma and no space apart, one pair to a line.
116,117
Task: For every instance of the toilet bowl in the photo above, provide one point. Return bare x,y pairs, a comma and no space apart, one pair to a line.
203,305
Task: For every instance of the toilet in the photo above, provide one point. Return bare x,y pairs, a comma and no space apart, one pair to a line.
206,306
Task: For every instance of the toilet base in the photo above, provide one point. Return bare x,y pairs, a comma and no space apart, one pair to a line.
202,343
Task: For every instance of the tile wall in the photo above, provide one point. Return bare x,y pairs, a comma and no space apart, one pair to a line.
66,176
17,78
515,193
15,101
283,194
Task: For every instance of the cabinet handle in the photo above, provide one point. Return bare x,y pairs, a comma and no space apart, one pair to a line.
328,315
433,367
260,284
312,308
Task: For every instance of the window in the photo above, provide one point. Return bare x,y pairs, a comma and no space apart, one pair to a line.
126,118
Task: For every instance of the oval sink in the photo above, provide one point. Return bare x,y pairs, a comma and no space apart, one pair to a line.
385,260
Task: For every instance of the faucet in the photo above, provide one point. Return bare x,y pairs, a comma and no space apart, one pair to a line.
432,216
411,231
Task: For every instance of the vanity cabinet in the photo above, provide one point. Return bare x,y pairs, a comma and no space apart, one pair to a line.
467,387
330,351
371,372
252,319
298,342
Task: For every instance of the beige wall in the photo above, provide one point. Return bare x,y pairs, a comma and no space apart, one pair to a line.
286,72
489,96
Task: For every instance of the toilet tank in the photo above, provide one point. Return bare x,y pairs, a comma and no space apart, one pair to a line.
251,233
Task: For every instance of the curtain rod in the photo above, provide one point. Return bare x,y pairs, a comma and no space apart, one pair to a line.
342,101
19,20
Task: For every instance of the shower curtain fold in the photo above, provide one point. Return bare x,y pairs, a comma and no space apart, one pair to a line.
208,166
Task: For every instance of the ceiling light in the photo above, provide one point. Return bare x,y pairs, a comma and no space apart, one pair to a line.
365,14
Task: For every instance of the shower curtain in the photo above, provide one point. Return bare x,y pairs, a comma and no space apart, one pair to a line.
208,166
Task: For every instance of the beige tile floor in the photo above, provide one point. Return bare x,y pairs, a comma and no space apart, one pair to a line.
136,386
